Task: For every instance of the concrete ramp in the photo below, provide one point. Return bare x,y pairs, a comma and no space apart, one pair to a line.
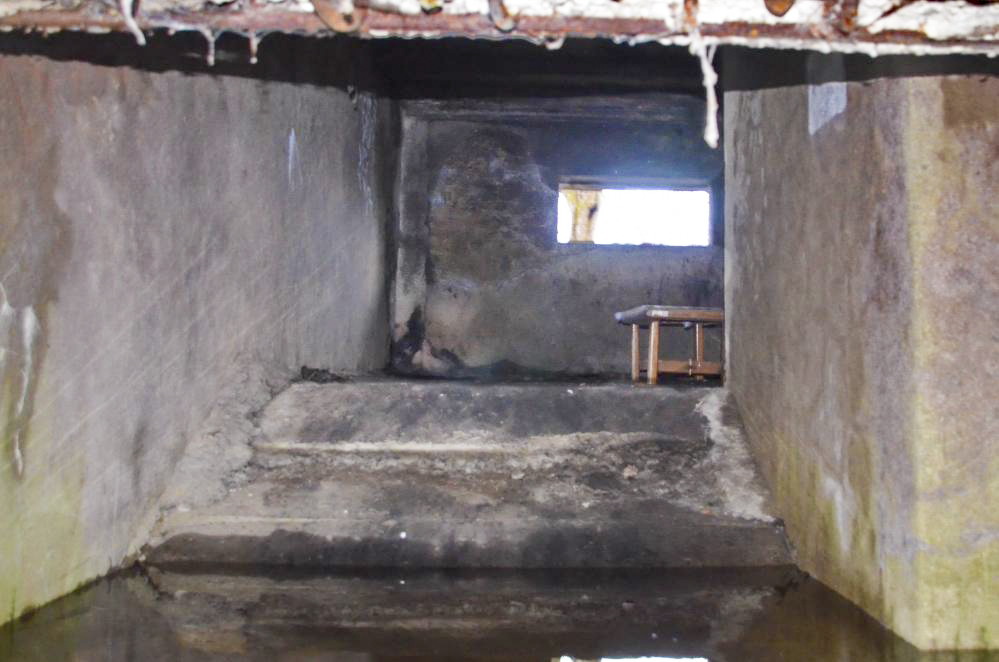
454,474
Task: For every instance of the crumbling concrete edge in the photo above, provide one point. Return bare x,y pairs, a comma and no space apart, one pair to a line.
213,461
738,476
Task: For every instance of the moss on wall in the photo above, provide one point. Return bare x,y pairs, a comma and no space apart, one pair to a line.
46,555
953,214
862,293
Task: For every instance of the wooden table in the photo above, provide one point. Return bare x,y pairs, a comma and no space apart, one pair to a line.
653,317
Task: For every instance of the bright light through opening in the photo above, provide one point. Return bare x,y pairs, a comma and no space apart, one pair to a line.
634,216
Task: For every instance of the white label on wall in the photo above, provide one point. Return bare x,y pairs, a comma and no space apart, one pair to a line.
825,102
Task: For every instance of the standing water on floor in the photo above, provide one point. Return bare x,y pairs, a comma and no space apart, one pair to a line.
571,616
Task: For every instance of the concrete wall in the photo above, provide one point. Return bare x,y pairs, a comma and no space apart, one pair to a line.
862,289
482,285
157,231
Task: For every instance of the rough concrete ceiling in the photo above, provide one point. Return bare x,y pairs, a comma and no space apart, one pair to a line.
870,26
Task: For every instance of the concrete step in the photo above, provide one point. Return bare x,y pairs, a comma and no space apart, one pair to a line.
453,474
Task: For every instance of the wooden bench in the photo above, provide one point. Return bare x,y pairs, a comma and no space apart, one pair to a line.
653,317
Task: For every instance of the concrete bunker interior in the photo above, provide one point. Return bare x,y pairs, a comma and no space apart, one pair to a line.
310,312
482,285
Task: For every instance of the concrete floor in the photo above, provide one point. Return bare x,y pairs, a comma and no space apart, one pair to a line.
458,474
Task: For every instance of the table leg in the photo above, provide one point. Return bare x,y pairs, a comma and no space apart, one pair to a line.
698,348
636,360
653,370
699,344
721,375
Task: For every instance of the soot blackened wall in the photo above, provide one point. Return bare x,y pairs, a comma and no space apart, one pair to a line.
483,286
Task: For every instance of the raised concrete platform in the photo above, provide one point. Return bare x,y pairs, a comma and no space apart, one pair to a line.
448,474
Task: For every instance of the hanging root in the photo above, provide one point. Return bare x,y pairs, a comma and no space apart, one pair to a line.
254,40
554,43
125,7
706,54
501,17
210,44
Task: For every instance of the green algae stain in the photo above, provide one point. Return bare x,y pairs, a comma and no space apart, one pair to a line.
902,522
41,555
813,518
956,579
958,599
41,551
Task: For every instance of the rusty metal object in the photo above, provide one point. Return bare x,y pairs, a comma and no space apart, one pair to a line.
847,15
779,7
337,20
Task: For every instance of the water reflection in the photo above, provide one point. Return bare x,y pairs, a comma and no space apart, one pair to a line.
655,616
